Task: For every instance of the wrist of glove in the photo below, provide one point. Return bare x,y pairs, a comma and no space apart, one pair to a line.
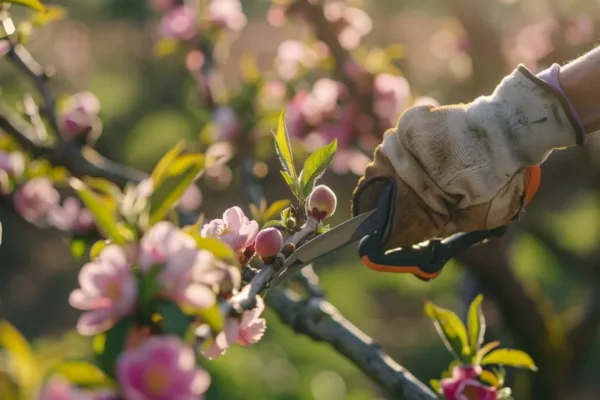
467,167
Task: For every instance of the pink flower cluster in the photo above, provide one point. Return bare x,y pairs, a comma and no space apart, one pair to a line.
352,23
160,367
182,23
38,202
80,115
463,385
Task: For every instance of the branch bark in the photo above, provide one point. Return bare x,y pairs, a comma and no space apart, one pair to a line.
322,322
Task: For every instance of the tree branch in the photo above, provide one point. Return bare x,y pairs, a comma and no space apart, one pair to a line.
322,322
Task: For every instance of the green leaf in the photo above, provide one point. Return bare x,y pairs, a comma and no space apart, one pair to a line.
166,161
217,247
104,215
35,4
276,208
290,182
148,285
9,390
78,248
110,344
451,329
213,317
173,319
510,358
436,385
97,248
484,350
173,183
489,378
104,186
283,148
316,164
52,13
250,70
82,373
25,372
273,223
476,324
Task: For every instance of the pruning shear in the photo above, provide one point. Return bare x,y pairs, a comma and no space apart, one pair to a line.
425,260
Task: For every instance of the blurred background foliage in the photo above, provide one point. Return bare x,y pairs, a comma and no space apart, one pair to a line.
451,50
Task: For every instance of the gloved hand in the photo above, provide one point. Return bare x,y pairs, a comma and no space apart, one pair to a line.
467,167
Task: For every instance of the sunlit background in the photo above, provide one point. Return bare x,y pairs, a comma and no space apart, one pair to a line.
435,51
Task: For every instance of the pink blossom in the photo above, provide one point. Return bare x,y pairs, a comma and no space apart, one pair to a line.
190,199
245,332
179,23
80,114
35,199
353,23
235,229
225,123
59,388
165,244
463,386
322,100
71,216
252,328
161,5
213,273
4,47
392,94
227,14
108,291
13,163
468,389
161,368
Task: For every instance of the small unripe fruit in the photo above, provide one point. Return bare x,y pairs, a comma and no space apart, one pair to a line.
321,202
268,243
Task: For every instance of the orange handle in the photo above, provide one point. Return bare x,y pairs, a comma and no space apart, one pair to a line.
405,269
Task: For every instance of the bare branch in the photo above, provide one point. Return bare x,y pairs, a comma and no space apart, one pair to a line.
321,321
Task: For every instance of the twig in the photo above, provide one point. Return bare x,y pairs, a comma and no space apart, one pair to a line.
322,322
309,281
245,299
39,75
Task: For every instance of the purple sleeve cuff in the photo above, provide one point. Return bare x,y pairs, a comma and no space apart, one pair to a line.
550,76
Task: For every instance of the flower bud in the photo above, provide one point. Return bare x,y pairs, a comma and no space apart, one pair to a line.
268,243
288,249
466,371
321,202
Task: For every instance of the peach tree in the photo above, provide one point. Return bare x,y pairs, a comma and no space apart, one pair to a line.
165,290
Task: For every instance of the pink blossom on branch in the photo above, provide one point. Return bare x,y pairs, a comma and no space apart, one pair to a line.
13,163
108,291
234,228
227,14
59,388
246,331
179,23
162,367
464,386
35,199
72,216
80,114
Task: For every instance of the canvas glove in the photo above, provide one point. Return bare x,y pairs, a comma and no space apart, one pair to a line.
467,167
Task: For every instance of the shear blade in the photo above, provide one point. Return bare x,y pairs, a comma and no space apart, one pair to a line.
336,238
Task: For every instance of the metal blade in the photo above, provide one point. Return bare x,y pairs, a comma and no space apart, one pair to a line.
336,238
332,240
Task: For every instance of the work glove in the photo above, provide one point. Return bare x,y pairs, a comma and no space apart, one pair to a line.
467,167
